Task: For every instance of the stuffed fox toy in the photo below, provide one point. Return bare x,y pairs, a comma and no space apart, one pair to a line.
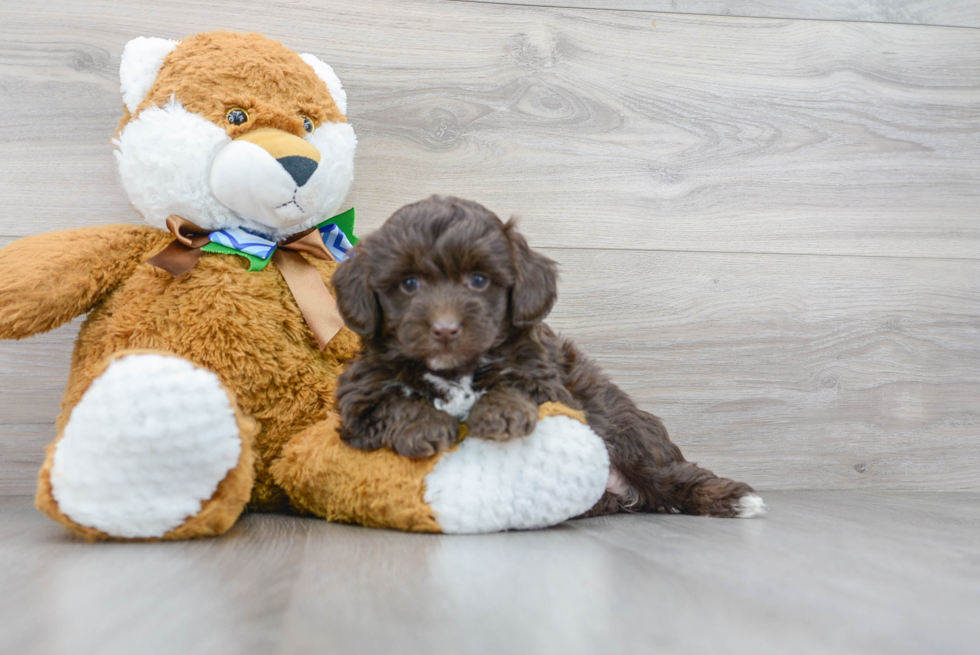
202,381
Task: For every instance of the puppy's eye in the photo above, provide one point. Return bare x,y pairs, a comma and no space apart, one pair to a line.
477,282
410,285
236,115
308,124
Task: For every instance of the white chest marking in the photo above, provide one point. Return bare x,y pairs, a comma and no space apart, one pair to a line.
458,395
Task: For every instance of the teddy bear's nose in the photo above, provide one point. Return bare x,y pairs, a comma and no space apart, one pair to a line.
299,168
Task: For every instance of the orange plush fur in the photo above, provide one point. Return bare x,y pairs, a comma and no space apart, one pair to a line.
216,70
244,326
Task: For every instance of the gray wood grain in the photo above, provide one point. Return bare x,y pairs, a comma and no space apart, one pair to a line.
825,572
853,548
792,371
212,596
21,455
957,13
813,137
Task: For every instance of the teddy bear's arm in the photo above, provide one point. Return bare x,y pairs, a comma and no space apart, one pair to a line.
49,279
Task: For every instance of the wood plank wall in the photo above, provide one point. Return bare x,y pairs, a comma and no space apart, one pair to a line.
946,13
768,229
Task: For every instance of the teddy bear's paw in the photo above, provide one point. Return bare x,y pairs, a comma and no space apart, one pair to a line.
147,444
557,472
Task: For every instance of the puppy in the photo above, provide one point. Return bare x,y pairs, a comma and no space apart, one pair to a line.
449,301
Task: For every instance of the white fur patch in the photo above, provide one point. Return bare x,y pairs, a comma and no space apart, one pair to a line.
751,505
141,61
325,73
557,472
148,443
249,181
459,396
164,158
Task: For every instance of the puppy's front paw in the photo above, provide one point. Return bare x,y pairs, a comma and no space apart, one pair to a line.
368,441
426,436
502,419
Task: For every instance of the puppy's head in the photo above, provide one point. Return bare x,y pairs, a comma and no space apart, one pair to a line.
443,281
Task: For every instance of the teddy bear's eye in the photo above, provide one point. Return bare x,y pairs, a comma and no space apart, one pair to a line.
236,115
308,124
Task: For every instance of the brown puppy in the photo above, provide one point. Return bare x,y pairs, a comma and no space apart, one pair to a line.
449,301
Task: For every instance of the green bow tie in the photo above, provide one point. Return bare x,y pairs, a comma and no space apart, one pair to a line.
337,234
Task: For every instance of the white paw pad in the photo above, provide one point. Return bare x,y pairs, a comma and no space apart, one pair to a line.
558,471
148,443
750,505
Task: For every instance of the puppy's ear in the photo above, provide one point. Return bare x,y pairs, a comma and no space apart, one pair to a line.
356,299
536,288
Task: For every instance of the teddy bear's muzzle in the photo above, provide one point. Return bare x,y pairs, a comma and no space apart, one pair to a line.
269,176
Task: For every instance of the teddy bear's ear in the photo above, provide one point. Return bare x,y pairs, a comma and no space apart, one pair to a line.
325,73
141,61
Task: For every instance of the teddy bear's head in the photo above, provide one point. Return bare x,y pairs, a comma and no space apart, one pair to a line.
233,130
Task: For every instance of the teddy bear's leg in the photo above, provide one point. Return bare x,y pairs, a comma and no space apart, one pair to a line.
557,472
156,448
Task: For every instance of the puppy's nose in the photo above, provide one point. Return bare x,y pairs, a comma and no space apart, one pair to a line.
445,330
300,169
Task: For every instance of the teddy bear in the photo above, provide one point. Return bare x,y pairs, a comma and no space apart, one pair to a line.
202,380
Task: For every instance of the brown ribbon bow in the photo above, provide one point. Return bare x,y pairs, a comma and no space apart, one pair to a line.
311,294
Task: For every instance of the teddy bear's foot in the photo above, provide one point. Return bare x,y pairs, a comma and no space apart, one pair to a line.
557,472
154,449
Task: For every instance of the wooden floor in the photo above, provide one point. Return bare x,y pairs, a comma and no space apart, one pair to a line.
826,572
768,219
